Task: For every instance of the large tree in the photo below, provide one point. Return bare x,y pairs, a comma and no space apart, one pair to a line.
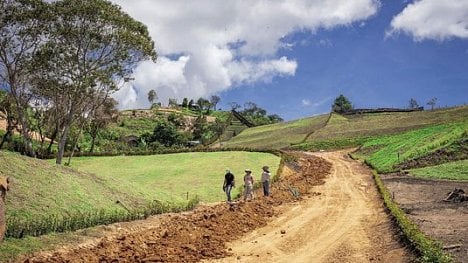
93,47
341,104
214,101
22,30
152,97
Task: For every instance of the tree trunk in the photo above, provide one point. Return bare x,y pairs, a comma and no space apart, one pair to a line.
28,147
93,139
52,139
74,145
61,143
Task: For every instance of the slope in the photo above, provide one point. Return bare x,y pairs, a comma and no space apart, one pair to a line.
278,135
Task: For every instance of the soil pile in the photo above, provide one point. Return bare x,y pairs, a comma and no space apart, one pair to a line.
202,233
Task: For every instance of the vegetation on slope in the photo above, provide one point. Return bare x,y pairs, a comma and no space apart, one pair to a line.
363,125
171,176
45,197
278,135
385,152
452,171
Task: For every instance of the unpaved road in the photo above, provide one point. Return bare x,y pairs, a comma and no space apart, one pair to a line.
340,219
347,223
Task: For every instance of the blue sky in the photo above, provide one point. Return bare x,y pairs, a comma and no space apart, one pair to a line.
377,53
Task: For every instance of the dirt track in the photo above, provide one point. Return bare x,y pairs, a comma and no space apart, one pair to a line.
346,223
339,220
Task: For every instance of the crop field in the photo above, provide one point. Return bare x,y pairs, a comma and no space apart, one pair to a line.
171,176
364,125
384,152
278,135
457,170
40,187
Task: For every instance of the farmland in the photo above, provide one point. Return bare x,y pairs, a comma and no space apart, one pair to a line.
278,135
452,171
384,152
171,176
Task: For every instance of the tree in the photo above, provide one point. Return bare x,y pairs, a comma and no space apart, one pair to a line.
152,96
172,103
214,101
234,105
101,117
21,34
413,104
341,104
432,102
93,46
204,104
166,133
185,103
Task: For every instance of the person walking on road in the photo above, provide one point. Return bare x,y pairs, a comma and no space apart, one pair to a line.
228,184
266,175
248,182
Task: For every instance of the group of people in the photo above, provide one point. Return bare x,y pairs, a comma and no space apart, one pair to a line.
229,183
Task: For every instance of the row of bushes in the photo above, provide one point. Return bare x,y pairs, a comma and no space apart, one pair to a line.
429,250
165,151
19,228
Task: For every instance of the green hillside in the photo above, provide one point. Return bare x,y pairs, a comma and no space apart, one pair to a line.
452,171
40,187
342,131
277,135
371,124
384,152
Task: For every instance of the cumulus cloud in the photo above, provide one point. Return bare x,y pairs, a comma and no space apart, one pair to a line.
206,47
433,19
305,102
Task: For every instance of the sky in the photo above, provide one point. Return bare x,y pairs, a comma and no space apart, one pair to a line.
293,57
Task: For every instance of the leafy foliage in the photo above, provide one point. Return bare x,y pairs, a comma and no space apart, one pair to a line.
341,104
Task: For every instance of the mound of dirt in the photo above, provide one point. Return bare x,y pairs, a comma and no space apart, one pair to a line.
202,233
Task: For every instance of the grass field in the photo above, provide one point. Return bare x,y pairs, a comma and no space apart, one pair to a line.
40,187
277,135
384,152
452,171
171,176
372,124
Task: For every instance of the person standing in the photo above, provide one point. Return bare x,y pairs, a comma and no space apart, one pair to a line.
266,175
228,184
248,182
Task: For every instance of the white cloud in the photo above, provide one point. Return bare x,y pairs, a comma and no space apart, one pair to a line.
207,46
433,19
309,103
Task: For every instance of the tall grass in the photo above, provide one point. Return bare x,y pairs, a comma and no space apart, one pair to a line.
20,227
384,152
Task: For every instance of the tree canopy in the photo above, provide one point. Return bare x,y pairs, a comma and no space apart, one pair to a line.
341,104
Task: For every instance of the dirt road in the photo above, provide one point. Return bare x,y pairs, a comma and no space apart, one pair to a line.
339,218
347,223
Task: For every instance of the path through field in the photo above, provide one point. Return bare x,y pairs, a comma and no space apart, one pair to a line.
339,219
346,224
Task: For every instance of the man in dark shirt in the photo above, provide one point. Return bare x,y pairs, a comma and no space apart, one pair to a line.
228,184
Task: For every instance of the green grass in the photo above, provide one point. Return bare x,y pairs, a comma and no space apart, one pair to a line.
376,124
278,135
457,170
42,188
384,152
171,176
